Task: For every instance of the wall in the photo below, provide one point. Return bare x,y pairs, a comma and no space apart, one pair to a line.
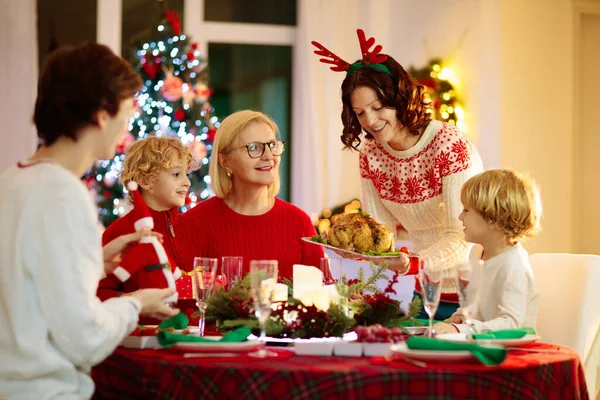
18,80
536,134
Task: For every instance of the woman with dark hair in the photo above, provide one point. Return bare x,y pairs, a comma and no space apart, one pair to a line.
411,167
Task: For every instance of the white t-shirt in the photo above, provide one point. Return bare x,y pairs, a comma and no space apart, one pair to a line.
508,297
53,328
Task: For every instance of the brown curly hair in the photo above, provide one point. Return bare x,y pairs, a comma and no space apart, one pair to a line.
399,91
146,158
76,82
507,200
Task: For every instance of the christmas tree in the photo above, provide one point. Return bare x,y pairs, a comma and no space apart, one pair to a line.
174,101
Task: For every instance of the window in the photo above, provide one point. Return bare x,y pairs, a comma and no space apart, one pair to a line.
245,76
63,22
278,12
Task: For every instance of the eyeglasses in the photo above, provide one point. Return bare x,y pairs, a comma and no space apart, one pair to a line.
257,149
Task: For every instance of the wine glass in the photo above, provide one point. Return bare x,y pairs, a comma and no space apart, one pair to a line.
431,289
232,268
263,276
468,283
331,267
203,280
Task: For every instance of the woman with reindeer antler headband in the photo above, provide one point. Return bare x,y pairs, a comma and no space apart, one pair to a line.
411,167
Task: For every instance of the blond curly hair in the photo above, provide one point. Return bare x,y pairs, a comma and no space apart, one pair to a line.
146,158
507,200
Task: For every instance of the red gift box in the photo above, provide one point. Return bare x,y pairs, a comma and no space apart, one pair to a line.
184,287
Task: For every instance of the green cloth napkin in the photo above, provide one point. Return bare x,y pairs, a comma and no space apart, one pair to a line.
168,339
504,334
179,321
489,356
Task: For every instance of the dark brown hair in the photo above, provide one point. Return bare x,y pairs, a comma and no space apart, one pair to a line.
399,91
75,83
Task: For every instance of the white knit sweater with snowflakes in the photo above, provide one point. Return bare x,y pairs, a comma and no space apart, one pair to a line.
419,188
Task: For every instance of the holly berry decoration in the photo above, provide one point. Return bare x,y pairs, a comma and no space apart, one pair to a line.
379,334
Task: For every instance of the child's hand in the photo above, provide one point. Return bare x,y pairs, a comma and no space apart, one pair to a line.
442,327
455,319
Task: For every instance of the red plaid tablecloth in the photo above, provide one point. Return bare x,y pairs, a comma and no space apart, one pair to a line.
165,374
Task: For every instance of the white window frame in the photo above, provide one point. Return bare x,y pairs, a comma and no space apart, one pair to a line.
205,32
110,14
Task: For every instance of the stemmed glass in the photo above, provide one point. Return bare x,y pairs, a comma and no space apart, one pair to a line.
331,267
431,288
263,276
468,278
232,268
203,281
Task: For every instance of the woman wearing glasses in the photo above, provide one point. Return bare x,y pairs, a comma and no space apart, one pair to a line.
245,218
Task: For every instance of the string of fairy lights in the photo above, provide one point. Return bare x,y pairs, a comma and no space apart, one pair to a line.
173,101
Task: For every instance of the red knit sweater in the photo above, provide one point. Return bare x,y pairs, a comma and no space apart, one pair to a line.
165,222
212,229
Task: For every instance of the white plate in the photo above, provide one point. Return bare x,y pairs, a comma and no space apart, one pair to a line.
432,355
203,347
462,338
415,330
191,330
349,253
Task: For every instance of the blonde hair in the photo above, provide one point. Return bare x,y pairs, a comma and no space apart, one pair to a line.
146,158
228,131
507,200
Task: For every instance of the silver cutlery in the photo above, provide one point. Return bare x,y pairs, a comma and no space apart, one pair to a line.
532,350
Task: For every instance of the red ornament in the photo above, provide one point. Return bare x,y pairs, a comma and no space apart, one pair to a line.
107,194
179,115
211,134
190,55
194,46
173,19
221,281
188,200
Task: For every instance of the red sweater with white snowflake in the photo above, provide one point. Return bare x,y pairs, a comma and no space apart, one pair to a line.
419,188
215,230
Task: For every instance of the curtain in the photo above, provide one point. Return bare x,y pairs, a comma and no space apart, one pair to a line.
18,79
324,175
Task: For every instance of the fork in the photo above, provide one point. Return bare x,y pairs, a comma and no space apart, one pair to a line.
532,350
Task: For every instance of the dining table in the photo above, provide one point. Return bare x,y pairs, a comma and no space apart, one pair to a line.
536,371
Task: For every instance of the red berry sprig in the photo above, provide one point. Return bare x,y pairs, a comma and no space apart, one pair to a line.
380,334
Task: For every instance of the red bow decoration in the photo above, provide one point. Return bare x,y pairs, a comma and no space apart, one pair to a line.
368,57
151,69
174,20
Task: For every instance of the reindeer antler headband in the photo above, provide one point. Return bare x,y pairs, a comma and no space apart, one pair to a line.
370,59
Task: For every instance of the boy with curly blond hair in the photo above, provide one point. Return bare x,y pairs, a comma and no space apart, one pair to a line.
159,165
500,208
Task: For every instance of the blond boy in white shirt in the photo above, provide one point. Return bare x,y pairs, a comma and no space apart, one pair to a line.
500,207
